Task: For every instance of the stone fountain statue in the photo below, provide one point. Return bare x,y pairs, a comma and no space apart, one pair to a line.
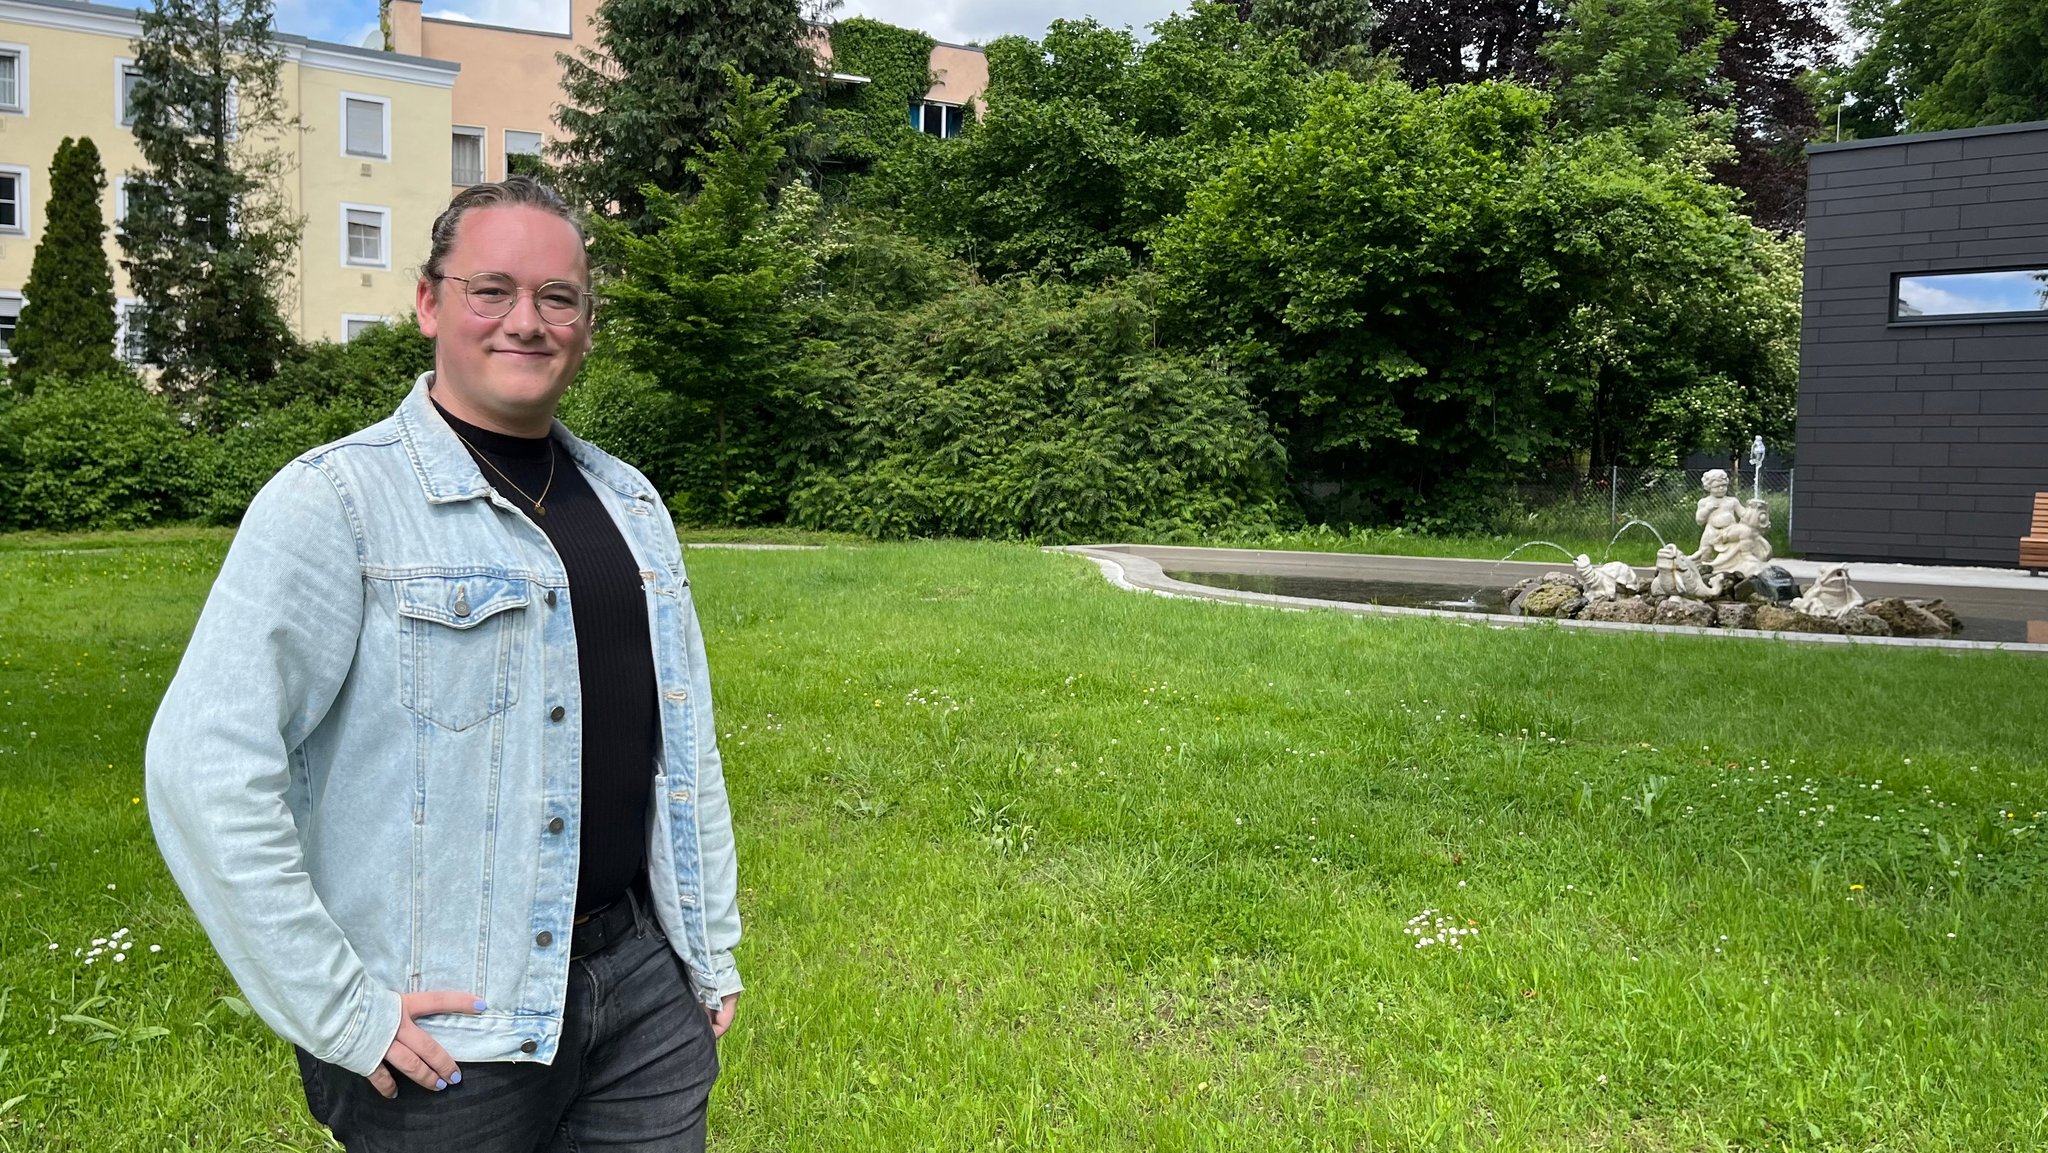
1678,575
1734,536
1831,595
1605,582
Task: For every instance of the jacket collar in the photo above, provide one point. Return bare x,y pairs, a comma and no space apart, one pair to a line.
448,473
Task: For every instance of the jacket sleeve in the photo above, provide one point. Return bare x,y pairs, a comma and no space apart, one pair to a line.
272,648
718,858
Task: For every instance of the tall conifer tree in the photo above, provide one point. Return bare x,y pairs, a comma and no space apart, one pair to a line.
67,325
646,100
208,233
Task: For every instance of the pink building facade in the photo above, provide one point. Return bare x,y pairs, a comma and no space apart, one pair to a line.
510,83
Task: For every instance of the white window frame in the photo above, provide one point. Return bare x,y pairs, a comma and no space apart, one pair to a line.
20,302
121,183
940,106
21,190
367,98
20,54
122,308
505,151
349,317
121,66
483,151
381,211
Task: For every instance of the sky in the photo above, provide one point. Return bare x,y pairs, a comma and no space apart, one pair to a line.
953,21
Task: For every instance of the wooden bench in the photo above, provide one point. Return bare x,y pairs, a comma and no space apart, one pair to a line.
2034,545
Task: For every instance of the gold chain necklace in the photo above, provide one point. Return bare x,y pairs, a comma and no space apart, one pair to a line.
538,509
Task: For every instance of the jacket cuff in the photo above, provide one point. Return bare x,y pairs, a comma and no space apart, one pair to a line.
363,1049
721,982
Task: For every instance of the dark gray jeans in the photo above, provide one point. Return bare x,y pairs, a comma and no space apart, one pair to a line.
633,1073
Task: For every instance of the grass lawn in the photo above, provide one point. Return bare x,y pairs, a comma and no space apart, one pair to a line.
1031,863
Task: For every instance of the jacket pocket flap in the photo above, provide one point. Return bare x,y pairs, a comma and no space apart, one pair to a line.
460,602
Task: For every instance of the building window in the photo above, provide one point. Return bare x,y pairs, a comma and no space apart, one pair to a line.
2008,294
526,147
10,315
468,153
365,126
935,119
120,200
13,200
355,324
126,77
127,339
365,233
14,78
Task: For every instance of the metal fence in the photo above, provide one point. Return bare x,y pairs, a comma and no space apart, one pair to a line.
1594,507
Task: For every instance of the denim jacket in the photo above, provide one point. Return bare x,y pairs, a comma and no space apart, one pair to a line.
366,774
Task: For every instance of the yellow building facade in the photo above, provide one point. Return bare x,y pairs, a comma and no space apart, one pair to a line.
367,168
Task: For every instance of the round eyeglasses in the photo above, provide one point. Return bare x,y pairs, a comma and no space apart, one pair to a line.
492,295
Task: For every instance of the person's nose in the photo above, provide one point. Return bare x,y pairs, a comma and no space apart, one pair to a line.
524,320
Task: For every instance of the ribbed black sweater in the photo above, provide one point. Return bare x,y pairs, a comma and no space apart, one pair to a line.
614,655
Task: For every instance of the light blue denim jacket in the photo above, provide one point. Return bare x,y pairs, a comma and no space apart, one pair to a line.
356,774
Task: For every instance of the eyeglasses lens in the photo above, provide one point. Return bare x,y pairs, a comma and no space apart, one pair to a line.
493,297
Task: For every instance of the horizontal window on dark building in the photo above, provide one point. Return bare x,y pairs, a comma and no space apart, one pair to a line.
2019,294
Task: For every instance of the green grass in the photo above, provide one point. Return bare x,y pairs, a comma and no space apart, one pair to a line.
1032,863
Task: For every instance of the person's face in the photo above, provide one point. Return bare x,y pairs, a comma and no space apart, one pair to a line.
506,374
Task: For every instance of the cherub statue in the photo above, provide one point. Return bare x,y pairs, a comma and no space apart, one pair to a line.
1734,536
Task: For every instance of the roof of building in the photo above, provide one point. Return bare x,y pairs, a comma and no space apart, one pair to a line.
1923,137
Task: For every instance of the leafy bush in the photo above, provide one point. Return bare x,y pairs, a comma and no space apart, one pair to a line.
1039,411
98,453
628,415
325,392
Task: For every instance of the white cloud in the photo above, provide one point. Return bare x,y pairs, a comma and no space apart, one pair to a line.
539,15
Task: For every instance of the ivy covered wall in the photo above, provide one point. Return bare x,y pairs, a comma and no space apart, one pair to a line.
865,118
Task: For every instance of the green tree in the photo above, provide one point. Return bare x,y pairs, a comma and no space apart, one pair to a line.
1647,68
1336,35
67,326
1999,74
703,302
1431,293
209,235
642,104
1930,65
1092,141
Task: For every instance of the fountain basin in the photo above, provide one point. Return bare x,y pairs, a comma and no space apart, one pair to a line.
2002,610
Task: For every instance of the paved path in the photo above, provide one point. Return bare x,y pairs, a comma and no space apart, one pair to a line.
1986,592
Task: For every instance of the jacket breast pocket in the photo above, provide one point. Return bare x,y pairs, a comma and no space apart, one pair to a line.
460,643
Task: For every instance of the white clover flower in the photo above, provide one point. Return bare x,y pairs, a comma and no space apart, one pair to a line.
156,948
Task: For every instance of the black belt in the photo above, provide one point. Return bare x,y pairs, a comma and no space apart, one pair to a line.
605,927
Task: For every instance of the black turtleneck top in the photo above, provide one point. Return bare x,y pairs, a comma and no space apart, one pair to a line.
614,653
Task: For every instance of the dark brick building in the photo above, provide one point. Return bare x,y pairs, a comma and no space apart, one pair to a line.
1923,382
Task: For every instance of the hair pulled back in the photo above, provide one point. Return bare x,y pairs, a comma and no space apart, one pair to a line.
511,191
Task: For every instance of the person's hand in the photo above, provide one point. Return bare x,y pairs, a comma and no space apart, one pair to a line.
721,1017
419,1056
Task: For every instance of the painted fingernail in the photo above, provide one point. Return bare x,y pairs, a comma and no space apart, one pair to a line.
480,1006
440,1084
455,1078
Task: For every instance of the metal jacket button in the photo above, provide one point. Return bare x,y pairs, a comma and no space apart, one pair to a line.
544,938
551,598
527,1046
557,713
461,607
555,826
